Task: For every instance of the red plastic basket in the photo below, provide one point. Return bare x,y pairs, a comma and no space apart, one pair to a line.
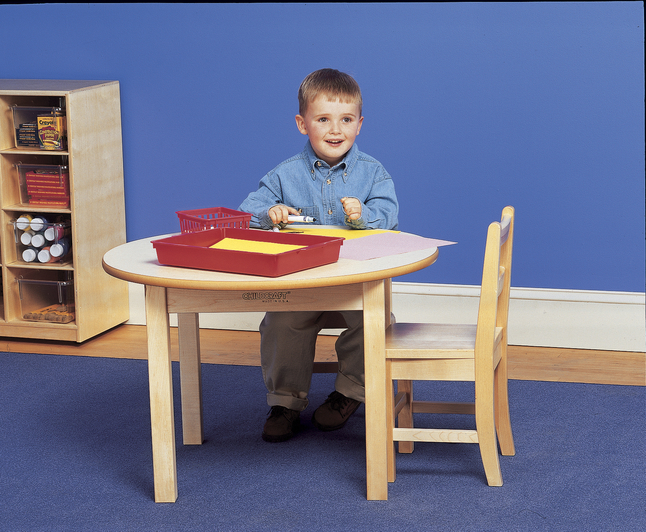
213,218
193,251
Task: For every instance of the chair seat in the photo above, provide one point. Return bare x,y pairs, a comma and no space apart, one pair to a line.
435,351
432,340
431,336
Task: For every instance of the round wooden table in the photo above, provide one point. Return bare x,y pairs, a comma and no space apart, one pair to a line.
344,285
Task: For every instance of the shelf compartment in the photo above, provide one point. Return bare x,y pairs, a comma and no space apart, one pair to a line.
43,128
13,189
44,185
41,242
45,300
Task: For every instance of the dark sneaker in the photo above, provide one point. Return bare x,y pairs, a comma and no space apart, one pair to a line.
334,412
281,424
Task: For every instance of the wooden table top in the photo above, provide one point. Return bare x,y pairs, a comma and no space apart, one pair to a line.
137,262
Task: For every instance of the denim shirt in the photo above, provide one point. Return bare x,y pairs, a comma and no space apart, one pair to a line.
315,189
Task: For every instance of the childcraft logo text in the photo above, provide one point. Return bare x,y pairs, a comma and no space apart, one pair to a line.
270,297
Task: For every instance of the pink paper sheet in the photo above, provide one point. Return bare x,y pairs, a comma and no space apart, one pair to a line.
383,244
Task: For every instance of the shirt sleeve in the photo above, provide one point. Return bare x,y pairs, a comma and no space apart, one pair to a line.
380,209
259,202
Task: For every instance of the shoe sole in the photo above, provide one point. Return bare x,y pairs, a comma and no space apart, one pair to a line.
277,438
328,428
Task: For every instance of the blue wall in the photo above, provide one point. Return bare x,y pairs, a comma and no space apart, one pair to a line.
470,106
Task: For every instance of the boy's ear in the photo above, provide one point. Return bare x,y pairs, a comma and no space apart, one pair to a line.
300,124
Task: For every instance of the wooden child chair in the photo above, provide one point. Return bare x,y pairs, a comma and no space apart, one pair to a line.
449,352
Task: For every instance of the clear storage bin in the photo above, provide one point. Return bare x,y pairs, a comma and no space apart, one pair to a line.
40,128
47,301
44,185
40,241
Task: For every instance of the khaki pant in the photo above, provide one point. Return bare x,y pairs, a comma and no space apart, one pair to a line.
287,344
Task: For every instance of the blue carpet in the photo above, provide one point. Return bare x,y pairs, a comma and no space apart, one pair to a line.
75,454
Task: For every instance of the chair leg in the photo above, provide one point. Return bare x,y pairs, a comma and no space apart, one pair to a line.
405,417
503,419
486,427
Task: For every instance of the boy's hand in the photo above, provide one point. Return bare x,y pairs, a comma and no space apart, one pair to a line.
352,208
279,213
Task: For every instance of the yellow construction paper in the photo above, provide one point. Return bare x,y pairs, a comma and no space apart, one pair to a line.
343,233
254,246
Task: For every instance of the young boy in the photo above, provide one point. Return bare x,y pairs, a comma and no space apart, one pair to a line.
335,183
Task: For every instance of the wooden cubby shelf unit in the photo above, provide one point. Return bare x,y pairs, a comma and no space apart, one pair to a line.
94,221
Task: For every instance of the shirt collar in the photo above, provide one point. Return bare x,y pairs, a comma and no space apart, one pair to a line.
348,161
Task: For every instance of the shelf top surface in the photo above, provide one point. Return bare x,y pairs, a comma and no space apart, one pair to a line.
40,86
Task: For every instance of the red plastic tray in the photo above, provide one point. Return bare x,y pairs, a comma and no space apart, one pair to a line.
191,250
202,219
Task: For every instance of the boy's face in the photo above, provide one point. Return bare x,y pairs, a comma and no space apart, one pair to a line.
331,126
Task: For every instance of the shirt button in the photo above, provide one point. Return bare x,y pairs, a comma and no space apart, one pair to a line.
329,182
330,211
318,163
345,174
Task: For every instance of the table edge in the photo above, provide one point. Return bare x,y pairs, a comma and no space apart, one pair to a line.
271,283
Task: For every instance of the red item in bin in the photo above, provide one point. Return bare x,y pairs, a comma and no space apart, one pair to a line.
192,250
213,218
48,188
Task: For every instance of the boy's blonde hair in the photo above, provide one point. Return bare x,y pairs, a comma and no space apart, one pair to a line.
333,83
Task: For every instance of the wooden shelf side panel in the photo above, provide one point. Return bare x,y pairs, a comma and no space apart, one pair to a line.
98,206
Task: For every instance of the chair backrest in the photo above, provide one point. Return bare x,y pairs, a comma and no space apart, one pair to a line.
493,311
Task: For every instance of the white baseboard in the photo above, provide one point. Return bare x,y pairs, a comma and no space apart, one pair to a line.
577,319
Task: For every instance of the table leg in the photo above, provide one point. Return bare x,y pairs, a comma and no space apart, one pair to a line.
161,395
375,375
190,371
390,404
